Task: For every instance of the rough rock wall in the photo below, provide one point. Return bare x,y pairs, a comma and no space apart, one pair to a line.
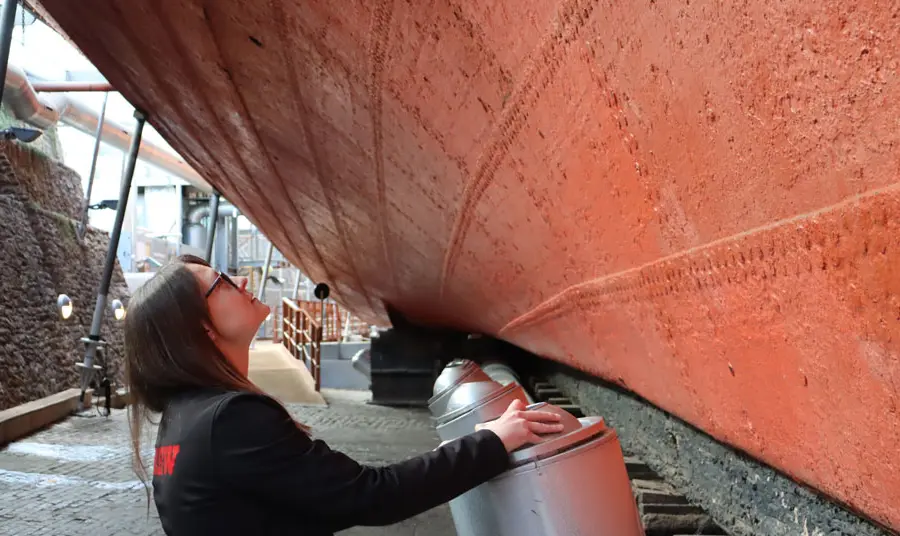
41,258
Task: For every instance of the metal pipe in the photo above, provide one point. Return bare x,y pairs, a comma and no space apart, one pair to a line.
211,225
503,374
233,244
7,24
94,337
45,111
265,276
196,233
294,296
322,326
226,210
66,87
82,226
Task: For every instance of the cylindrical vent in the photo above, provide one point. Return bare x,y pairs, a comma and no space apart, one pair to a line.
503,374
455,374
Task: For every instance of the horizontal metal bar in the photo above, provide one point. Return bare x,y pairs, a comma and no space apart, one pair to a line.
65,87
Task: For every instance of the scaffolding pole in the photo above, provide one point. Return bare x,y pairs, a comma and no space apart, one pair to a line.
93,341
211,225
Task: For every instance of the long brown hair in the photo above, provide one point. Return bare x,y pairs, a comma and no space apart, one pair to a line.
168,350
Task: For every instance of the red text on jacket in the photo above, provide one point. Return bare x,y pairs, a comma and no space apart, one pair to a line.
164,461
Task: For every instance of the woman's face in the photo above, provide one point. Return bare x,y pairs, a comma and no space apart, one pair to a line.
235,313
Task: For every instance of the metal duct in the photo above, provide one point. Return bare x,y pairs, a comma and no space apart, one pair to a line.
196,232
24,102
47,110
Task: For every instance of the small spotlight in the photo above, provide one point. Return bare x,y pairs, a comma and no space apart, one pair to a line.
111,204
26,135
118,309
64,304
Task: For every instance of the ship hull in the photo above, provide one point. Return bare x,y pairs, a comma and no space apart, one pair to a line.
695,200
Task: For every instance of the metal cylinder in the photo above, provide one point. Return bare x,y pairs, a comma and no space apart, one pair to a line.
362,362
473,403
503,374
572,484
469,404
456,373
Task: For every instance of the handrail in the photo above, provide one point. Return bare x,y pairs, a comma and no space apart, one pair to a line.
337,320
301,335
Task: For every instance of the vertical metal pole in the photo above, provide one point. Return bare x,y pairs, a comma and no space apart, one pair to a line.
261,292
7,24
296,293
211,226
94,337
82,227
233,259
262,284
323,319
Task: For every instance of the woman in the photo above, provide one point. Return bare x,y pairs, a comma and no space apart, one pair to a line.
230,460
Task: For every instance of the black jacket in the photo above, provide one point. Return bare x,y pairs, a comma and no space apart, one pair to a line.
235,463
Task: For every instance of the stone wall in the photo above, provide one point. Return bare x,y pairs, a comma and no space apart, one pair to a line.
47,144
41,258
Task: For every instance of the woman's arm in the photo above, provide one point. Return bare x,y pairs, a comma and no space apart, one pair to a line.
259,450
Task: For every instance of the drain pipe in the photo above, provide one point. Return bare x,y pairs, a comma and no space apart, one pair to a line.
93,340
81,230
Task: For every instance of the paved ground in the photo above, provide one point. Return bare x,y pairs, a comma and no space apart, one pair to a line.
75,478
274,370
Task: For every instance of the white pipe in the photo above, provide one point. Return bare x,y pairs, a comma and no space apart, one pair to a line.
197,233
47,110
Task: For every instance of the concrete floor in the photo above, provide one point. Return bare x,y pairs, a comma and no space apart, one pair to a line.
75,478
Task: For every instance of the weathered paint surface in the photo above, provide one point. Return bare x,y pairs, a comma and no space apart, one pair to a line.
695,199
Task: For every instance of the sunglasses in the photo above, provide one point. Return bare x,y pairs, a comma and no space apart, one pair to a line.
221,277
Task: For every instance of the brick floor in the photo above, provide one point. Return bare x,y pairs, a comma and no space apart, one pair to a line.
75,478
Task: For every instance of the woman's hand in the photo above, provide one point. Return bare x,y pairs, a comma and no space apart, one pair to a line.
517,426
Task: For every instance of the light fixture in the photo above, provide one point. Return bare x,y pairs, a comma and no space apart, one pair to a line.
64,304
26,135
118,309
111,204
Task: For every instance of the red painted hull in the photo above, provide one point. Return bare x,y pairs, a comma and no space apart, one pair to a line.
694,199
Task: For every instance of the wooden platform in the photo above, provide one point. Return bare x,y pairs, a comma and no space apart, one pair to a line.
274,370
